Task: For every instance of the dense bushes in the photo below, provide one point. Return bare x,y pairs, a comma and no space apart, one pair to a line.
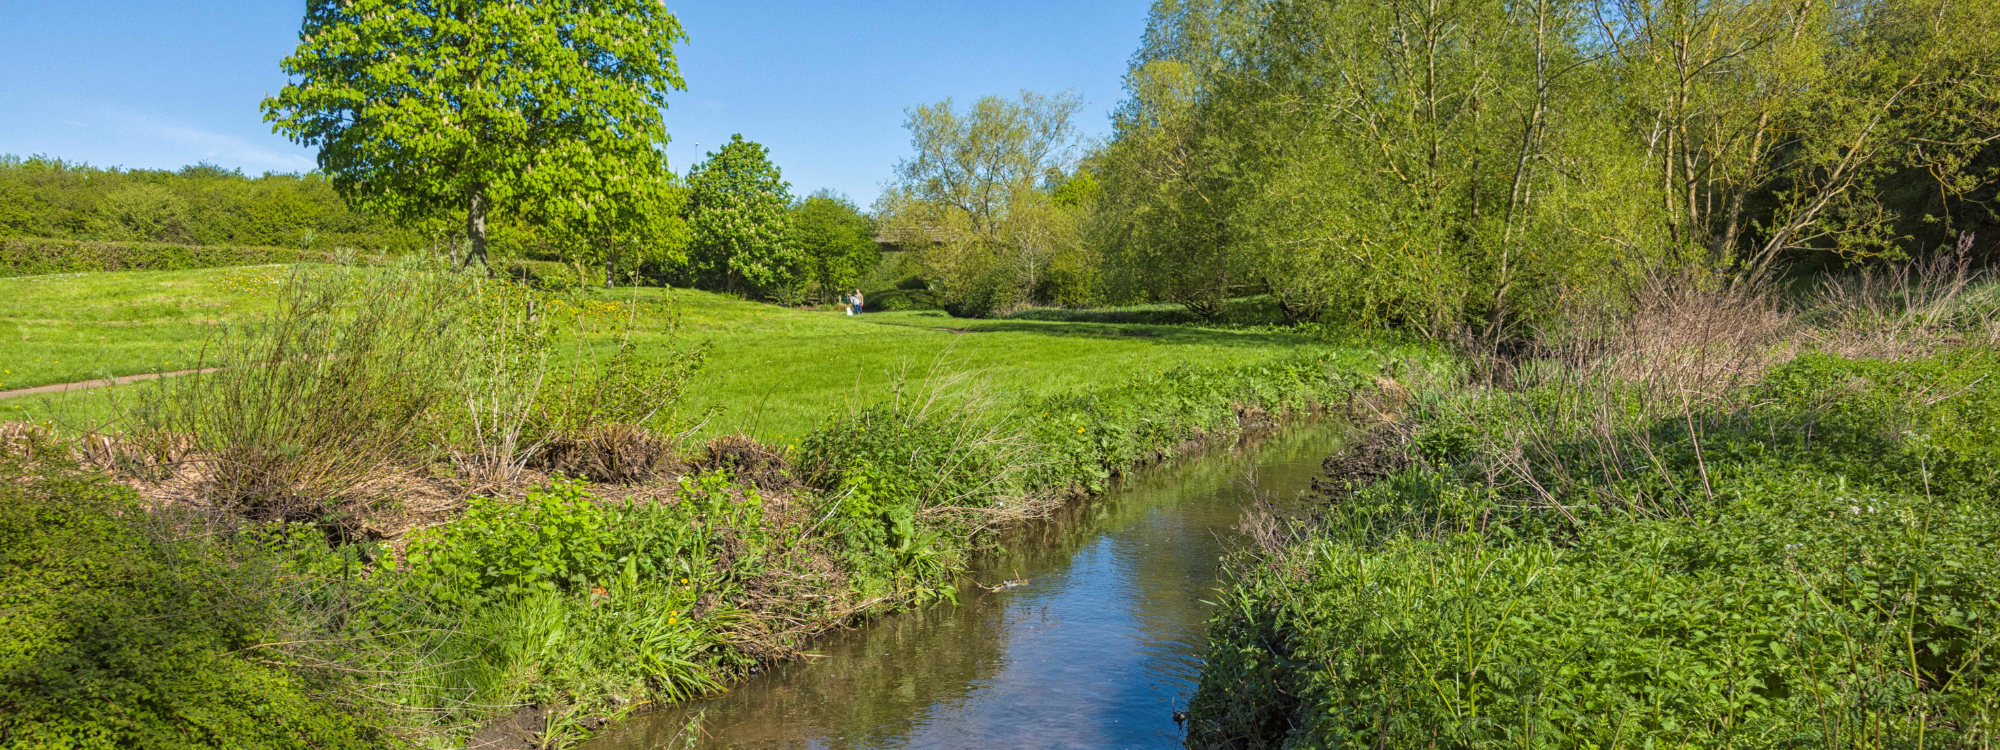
1437,164
118,628
1803,564
31,257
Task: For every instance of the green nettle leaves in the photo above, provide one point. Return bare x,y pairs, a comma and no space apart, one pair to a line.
550,109
739,227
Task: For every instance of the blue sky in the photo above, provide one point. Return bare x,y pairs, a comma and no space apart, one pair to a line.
159,84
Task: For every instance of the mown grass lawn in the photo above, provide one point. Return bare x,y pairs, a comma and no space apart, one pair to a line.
773,372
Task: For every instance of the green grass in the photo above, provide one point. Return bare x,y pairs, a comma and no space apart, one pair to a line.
70,327
773,372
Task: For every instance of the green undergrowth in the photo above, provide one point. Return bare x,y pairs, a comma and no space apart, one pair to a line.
585,600
1807,563
123,628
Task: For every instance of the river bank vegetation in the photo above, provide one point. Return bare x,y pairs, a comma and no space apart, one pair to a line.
1668,325
1722,521
373,477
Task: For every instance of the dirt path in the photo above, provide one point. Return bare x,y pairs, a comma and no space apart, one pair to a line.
88,384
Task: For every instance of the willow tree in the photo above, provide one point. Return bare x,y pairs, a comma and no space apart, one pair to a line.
427,109
973,196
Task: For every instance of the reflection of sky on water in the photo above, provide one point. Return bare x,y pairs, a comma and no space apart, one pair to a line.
1093,653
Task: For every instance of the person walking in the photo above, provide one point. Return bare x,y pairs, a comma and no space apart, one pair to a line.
857,302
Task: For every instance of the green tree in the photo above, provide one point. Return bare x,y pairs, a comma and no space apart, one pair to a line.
1439,164
1169,173
836,242
738,222
974,197
552,108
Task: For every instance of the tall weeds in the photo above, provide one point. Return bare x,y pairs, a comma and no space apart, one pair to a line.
305,407
360,375
1582,408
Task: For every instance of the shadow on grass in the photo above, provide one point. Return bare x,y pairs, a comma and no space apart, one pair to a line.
1162,334
1257,310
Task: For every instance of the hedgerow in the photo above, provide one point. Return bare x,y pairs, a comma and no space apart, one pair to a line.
34,257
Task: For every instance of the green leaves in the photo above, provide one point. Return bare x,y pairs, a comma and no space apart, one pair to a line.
1826,594
739,228
836,242
547,108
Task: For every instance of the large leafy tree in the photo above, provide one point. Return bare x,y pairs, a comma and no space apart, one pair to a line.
738,224
835,240
424,109
972,197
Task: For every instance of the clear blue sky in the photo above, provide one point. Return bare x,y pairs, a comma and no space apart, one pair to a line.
161,84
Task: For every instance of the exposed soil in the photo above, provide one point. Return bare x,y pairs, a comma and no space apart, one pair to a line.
520,730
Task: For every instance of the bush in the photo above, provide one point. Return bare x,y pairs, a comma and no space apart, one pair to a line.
898,300
313,402
114,633
1799,566
32,257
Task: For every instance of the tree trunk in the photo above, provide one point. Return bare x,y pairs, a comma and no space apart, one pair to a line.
475,229
610,254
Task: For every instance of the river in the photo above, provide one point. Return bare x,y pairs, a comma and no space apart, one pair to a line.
1097,650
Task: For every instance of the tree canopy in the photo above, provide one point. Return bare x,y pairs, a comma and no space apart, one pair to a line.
836,242
974,198
1436,164
551,109
739,224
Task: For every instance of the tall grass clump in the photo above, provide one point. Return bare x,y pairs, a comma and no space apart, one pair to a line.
1722,519
301,409
360,376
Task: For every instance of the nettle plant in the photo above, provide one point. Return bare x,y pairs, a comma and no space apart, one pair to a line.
562,539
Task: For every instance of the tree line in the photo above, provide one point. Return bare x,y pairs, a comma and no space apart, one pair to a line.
541,125
1443,164
197,205
1433,165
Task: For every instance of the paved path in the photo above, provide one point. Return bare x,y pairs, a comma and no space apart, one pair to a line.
86,384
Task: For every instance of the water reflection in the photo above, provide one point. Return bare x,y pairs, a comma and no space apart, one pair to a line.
1094,652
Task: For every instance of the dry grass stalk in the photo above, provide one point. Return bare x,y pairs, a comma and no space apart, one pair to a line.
1587,399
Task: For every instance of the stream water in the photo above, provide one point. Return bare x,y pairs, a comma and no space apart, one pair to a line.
1096,651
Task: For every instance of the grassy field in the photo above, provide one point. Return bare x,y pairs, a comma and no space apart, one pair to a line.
773,372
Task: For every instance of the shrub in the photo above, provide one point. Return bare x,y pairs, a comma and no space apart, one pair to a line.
1796,565
115,632
940,451
308,405
898,300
